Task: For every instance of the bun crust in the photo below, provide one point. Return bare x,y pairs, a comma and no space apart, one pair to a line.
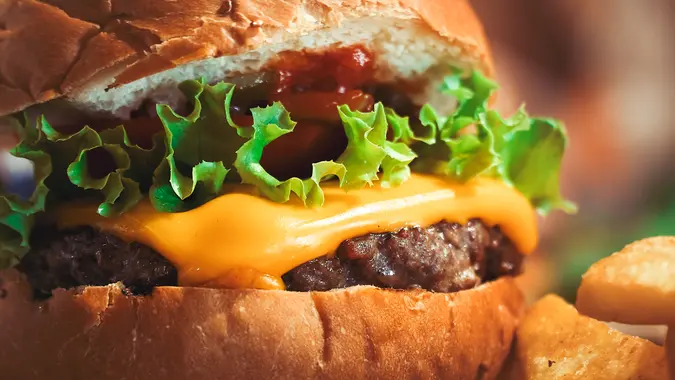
56,47
108,56
196,333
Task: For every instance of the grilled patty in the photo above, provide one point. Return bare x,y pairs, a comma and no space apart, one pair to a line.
85,256
444,257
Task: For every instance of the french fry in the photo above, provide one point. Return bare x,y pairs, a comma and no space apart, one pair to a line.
555,342
634,286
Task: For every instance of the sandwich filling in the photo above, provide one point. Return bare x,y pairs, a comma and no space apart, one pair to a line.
309,175
444,257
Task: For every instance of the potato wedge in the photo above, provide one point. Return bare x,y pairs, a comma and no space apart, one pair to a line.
635,285
653,333
555,342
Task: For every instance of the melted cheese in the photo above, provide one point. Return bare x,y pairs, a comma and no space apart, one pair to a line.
241,240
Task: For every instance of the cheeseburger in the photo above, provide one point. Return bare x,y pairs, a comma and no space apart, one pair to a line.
263,189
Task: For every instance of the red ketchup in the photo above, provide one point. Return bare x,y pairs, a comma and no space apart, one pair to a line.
311,86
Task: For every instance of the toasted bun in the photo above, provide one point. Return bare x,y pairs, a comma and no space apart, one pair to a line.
670,351
635,285
194,333
109,56
555,342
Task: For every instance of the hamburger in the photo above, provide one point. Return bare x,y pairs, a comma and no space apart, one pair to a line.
263,189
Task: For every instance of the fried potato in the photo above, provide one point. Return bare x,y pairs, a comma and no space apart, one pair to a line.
635,285
555,342
653,333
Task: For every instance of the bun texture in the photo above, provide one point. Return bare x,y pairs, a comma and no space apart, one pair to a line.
108,56
198,333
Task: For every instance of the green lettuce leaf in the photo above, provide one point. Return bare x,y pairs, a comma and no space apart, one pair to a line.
472,155
524,152
90,165
200,147
379,141
399,152
15,229
142,161
402,131
269,124
119,194
369,153
190,161
366,134
17,215
531,162
472,93
71,166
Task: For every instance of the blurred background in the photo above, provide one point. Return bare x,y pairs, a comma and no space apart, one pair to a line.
607,68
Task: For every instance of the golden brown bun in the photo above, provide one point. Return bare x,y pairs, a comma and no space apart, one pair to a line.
670,351
56,47
554,341
196,333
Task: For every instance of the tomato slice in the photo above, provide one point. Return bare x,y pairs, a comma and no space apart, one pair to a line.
140,129
293,154
336,70
322,106
242,120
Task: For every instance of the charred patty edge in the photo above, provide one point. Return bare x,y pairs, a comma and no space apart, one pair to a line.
443,257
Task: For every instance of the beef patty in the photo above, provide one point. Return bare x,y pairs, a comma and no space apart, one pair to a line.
444,257
84,256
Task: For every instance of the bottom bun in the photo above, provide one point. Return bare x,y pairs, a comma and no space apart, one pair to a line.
670,351
196,333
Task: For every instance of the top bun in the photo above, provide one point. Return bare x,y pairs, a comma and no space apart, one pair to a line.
108,56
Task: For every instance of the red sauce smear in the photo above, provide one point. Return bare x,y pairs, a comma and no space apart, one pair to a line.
336,70
310,85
